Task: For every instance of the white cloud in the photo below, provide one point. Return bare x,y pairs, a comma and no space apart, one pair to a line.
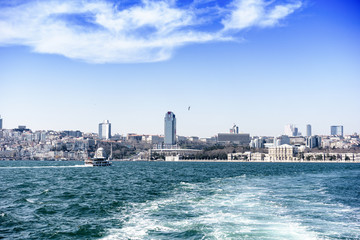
246,14
277,13
250,13
96,31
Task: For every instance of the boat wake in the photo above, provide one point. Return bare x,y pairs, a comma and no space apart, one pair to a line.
25,167
222,209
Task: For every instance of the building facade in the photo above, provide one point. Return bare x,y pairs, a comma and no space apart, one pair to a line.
105,130
1,123
170,128
313,141
337,130
281,153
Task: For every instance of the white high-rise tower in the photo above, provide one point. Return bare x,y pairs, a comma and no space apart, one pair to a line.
105,130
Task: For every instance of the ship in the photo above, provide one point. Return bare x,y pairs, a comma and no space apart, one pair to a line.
99,159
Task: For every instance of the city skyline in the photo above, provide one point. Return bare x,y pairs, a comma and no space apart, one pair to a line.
169,122
259,65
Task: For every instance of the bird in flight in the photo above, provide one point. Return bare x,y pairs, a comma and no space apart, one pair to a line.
189,108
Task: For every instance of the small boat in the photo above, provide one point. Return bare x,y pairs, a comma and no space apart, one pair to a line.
99,159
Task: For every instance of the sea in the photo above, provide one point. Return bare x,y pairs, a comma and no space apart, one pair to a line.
179,200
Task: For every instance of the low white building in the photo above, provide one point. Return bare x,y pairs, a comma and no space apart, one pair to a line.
172,158
246,156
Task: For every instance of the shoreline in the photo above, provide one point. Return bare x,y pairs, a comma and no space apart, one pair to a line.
239,161
192,160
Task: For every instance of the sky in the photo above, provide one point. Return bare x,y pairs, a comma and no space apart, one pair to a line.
259,64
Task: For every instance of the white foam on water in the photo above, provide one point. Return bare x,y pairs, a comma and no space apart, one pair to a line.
139,222
30,200
235,209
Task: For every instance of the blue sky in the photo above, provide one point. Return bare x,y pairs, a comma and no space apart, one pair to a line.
259,64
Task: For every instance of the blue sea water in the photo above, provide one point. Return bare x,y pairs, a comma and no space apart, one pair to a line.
177,200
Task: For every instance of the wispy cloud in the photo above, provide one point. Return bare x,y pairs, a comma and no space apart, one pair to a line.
100,31
259,13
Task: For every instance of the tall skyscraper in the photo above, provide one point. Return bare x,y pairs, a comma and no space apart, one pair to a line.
308,130
105,130
170,128
0,122
291,130
234,129
337,130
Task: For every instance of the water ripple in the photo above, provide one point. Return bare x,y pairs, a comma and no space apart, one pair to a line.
144,200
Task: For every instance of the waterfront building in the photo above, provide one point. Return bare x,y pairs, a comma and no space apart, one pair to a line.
172,151
290,130
172,158
308,130
170,128
337,130
246,156
241,138
105,130
281,153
